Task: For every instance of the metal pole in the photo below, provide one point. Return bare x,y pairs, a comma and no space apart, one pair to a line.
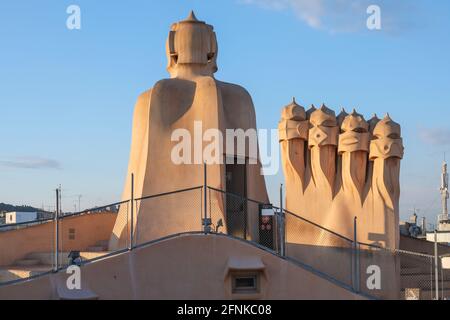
206,221
132,213
56,234
442,280
282,223
356,276
436,265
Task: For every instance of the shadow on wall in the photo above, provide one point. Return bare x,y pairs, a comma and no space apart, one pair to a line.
338,262
76,234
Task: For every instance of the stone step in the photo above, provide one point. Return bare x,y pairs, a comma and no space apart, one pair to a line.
83,294
103,243
20,272
93,255
96,249
37,263
27,262
47,258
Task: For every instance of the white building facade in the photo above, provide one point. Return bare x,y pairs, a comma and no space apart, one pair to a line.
20,217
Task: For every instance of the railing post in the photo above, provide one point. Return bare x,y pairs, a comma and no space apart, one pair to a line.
132,213
56,234
436,265
356,267
206,221
282,227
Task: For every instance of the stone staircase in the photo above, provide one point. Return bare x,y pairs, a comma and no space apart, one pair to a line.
40,262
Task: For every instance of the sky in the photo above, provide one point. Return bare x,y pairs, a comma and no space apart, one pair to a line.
67,96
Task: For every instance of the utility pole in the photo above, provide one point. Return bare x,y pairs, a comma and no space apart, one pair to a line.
436,264
444,191
56,230
60,199
282,227
132,213
206,221
79,202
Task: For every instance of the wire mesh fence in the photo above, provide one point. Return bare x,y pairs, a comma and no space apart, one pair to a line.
393,274
35,239
95,233
47,245
166,214
243,218
84,236
322,249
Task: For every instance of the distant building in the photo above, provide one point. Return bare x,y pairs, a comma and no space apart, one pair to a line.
43,215
412,229
20,217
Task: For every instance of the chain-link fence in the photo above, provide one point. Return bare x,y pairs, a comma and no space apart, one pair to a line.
374,271
244,218
167,214
37,247
34,240
393,274
85,236
320,248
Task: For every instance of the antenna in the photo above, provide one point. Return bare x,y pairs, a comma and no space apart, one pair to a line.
79,202
444,192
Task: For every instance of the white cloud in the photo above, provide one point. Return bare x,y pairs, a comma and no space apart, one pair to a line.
310,12
30,163
338,15
435,136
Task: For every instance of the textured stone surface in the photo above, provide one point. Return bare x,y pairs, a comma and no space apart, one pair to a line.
346,167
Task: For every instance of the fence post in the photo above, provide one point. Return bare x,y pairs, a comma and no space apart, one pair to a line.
206,221
356,267
436,265
282,225
56,234
132,213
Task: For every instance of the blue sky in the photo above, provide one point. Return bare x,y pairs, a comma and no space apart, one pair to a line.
66,97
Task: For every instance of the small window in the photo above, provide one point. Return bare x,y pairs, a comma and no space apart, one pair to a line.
71,234
245,283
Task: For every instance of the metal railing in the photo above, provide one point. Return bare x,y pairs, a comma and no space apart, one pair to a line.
49,245
166,214
320,248
396,274
201,209
26,224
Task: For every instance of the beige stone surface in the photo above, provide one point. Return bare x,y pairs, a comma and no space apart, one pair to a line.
191,94
338,168
88,229
185,267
